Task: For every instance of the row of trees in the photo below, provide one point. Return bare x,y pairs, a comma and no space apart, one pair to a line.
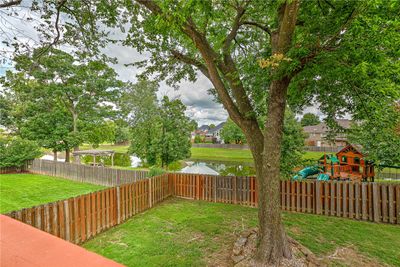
62,101
59,101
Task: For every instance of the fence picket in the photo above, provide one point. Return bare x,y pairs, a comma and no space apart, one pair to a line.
376,200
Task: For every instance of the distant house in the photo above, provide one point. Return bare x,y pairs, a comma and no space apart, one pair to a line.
201,131
209,134
317,135
215,133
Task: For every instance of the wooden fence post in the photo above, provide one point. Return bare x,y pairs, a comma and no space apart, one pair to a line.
318,197
234,189
56,225
375,199
364,201
38,220
66,215
150,194
76,225
197,187
215,188
391,204
397,188
118,206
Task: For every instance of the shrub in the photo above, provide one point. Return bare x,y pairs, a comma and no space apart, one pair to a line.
15,152
197,139
155,171
175,166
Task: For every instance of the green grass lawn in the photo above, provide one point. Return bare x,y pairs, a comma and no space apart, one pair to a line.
195,233
236,155
19,191
214,154
116,148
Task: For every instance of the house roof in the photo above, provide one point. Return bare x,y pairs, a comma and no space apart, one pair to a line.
199,169
203,128
217,128
323,128
357,149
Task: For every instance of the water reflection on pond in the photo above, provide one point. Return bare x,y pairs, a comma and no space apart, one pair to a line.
120,159
223,168
191,166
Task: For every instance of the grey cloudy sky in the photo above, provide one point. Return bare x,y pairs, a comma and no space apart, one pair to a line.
200,105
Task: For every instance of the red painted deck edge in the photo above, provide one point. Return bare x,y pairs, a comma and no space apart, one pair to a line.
23,245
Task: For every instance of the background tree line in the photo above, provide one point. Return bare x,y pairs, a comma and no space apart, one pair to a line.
62,101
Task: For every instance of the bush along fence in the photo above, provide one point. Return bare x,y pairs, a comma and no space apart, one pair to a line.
80,218
13,169
85,173
377,202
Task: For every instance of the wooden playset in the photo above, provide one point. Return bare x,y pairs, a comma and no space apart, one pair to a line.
348,164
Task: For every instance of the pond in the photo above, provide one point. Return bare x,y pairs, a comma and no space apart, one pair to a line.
120,159
225,168
220,167
191,166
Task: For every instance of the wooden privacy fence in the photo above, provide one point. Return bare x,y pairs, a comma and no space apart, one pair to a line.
376,202
85,173
80,218
10,170
329,149
23,168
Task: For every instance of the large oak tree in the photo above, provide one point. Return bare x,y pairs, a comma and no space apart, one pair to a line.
260,54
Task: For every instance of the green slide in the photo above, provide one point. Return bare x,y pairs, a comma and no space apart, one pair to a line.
323,177
304,173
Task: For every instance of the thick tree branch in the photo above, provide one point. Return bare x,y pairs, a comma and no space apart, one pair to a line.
208,55
230,71
235,27
56,25
287,25
59,6
151,5
211,59
257,25
10,3
191,61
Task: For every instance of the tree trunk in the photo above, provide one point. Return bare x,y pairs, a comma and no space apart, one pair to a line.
55,155
75,130
272,240
67,155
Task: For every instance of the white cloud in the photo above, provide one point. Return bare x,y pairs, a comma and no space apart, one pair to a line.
200,105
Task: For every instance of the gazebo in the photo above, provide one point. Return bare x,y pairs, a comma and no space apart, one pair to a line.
95,153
